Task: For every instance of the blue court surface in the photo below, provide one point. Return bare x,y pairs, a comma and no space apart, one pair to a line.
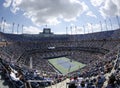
65,65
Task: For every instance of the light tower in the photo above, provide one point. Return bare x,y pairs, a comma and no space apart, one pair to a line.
13,28
111,24
4,25
17,28
1,24
101,26
106,25
66,30
22,28
84,29
118,21
75,29
92,27
71,29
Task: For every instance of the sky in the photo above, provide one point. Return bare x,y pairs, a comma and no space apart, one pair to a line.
62,16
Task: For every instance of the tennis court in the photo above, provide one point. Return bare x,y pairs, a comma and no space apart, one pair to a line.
65,65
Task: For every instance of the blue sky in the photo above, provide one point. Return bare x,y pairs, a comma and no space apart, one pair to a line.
59,15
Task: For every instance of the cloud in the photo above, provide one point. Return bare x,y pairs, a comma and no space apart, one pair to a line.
7,3
31,30
14,5
107,8
90,13
49,12
110,8
96,2
85,7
